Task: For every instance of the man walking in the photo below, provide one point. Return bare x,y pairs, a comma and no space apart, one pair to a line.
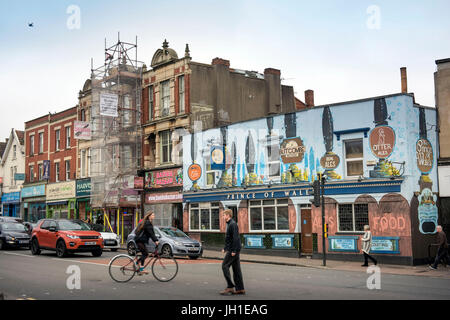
443,248
232,250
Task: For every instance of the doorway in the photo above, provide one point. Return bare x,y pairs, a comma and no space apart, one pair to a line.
307,237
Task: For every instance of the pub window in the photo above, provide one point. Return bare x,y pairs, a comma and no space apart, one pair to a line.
204,217
269,215
353,217
354,158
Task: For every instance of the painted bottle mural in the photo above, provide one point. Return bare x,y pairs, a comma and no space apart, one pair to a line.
226,179
382,142
251,178
194,170
330,160
428,211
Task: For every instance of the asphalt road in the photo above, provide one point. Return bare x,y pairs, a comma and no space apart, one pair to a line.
23,276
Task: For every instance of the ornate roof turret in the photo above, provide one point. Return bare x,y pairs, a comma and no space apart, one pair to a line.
163,56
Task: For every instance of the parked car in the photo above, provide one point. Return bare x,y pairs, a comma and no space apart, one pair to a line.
13,234
30,226
172,242
10,219
65,236
110,239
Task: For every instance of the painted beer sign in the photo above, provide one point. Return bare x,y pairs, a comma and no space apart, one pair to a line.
424,155
292,150
329,161
382,141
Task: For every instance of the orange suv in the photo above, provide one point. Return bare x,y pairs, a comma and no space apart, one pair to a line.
65,236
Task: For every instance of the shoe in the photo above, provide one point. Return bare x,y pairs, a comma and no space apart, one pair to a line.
433,268
227,291
141,272
364,265
239,292
376,262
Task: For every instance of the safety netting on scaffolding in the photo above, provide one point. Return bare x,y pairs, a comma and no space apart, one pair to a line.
116,127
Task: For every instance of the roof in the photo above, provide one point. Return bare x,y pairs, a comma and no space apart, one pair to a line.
299,105
2,148
442,61
20,136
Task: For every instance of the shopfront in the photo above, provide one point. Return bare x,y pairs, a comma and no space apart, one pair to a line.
163,195
61,200
11,204
33,201
83,194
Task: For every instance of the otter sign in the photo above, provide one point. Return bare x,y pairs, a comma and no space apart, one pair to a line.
382,141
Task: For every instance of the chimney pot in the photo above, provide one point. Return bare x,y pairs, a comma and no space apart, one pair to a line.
404,78
309,98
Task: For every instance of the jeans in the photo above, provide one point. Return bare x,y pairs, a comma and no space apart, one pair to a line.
442,253
235,264
142,248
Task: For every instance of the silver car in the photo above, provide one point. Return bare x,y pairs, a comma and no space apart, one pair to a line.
172,242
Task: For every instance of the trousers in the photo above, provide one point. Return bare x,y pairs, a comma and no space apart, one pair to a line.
235,264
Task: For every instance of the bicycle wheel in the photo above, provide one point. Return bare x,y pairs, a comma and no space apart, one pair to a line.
122,268
164,268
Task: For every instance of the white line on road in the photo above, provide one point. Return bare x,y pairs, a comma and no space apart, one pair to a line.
20,254
77,261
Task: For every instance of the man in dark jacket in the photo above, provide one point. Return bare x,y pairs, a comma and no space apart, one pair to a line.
232,249
443,248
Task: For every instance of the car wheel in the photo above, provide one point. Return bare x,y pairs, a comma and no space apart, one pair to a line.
61,249
131,248
97,253
35,247
193,257
166,251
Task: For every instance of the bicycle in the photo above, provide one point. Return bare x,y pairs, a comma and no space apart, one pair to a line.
122,268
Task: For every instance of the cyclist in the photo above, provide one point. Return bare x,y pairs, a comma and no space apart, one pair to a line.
144,232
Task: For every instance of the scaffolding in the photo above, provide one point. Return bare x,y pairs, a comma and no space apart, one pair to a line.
116,130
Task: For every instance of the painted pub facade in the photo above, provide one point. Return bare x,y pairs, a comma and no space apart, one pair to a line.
379,159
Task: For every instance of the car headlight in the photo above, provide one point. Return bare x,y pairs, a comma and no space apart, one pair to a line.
178,243
72,236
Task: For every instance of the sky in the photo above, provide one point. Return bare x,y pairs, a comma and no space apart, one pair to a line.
342,49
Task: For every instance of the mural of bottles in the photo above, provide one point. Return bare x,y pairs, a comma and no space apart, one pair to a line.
330,160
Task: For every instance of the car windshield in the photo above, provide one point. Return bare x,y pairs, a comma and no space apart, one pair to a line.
73,225
173,232
13,227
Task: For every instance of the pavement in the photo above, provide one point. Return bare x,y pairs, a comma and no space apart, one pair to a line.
307,262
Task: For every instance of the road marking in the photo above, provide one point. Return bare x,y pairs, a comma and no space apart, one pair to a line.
20,254
78,261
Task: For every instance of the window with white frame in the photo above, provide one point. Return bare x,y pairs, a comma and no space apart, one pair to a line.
31,173
151,103
14,152
57,139
126,120
83,163
181,94
354,158
88,162
204,216
353,217
269,215
165,98
273,160
210,175
165,141
83,115
67,166
32,145
41,171
41,142
67,137
57,172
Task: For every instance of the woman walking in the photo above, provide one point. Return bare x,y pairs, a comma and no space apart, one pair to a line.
366,245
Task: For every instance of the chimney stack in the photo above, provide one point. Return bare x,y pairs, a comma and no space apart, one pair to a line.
404,80
220,61
309,98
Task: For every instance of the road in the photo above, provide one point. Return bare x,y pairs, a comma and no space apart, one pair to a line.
24,276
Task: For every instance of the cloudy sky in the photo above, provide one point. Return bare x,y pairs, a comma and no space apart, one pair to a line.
342,49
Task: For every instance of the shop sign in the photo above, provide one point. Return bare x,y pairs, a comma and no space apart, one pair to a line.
194,172
292,150
168,197
330,161
164,178
285,241
63,190
254,241
82,130
33,191
385,245
424,155
19,176
12,197
83,187
382,141
343,244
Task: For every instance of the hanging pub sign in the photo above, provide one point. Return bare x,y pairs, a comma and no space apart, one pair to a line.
194,172
292,150
382,141
330,161
424,155
218,158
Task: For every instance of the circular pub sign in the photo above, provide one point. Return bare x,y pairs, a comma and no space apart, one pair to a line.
424,155
194,172
292,150
382,141
330,161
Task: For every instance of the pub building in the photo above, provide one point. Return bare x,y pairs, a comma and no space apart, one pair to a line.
378,158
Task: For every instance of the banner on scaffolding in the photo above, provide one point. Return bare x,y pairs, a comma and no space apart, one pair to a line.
108,104
82,130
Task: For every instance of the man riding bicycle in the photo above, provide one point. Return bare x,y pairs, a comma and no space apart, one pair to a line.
144,232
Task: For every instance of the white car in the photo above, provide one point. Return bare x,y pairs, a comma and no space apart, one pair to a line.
110,240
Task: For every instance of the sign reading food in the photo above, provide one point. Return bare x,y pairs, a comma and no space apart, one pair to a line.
330,161
194,172
382,141
424,155
292,150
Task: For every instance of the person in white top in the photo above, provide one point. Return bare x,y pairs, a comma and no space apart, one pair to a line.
366,245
